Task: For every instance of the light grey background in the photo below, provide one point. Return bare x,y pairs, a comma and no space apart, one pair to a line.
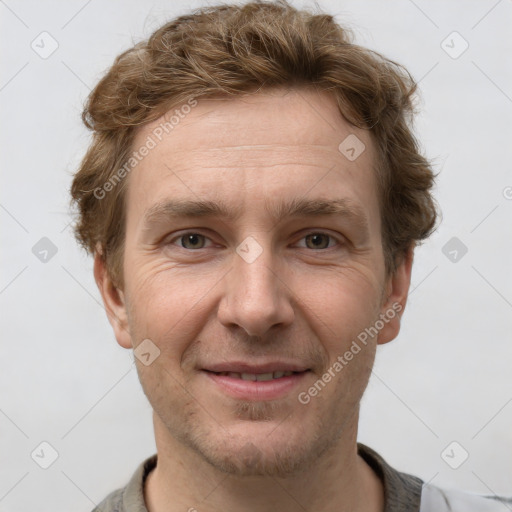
64,379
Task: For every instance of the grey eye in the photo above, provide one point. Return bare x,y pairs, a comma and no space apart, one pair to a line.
317,240
192,241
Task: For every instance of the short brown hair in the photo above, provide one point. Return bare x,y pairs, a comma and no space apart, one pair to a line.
237,49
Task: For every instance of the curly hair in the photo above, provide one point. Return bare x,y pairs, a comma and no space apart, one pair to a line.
233,50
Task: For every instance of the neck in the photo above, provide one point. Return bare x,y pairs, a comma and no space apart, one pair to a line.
339,481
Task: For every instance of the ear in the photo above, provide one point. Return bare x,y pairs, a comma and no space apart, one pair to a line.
114,301
397,290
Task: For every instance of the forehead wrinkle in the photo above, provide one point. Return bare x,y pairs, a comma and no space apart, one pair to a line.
261,155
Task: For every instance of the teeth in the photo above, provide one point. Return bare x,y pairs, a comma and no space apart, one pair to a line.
265,376
260,377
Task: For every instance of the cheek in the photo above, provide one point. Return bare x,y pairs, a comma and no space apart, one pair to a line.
345,303
166,303
165,308
351,306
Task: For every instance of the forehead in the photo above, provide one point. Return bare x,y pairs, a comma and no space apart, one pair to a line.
275,145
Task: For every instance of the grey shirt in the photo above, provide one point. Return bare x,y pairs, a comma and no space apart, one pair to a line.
402,492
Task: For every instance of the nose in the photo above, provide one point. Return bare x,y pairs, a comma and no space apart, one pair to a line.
256,298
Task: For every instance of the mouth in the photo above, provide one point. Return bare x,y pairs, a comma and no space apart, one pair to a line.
268,385
260,377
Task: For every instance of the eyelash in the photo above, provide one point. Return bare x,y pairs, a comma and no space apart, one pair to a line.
182,235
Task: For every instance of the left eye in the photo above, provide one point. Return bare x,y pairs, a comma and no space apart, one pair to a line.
318,240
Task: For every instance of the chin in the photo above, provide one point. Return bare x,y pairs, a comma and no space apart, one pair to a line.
250,460
261,448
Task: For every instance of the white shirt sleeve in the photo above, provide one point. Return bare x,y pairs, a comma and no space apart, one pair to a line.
435,499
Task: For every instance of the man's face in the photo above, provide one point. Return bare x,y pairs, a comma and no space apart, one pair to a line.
260,292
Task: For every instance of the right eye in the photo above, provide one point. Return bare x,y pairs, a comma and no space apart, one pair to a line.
190,240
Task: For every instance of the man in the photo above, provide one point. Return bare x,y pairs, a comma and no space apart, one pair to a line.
226,148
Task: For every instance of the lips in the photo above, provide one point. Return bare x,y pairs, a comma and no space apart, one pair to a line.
260,377
268,381
242,367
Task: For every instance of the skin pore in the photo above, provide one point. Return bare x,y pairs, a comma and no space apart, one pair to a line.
314,280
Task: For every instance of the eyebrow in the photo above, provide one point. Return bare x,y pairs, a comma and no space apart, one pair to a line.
297,207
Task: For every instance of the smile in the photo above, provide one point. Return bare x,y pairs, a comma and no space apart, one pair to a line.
260,377
256,386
